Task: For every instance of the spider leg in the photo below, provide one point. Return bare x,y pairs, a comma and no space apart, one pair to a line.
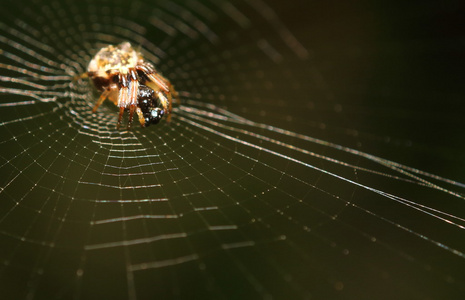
166,103
170,93
170,106
170,97
102,98
123,97
133,91
149,71
158,83
120,117
141,116
81,76
175,94
171,89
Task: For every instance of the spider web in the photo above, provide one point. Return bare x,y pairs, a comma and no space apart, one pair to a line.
305,160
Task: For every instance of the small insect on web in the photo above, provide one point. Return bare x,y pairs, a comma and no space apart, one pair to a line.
131,83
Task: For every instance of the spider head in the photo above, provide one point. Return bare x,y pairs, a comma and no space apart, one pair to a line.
149,105
113,59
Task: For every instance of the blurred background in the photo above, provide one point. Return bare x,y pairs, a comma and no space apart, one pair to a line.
317,152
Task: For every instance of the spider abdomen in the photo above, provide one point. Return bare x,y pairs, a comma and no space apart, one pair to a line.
150,106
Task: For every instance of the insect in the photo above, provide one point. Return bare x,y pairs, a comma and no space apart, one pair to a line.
131,83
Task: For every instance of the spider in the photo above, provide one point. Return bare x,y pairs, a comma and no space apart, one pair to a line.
131,83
